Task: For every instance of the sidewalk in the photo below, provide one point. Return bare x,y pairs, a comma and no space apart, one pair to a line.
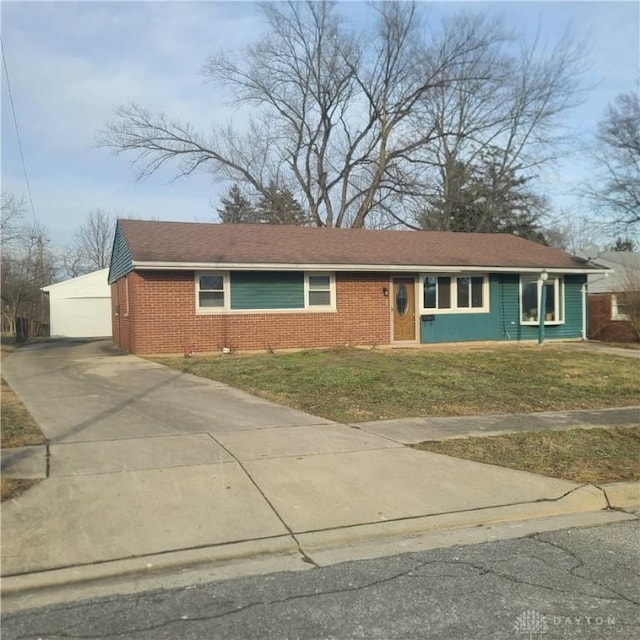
278,499
413,430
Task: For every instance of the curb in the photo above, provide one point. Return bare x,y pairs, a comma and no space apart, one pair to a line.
147,565
582,506
622,495
585,498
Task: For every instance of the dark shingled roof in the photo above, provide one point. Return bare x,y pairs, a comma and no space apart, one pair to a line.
196,242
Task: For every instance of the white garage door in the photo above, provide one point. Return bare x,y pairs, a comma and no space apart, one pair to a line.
80,317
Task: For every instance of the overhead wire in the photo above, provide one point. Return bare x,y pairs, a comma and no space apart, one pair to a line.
15,122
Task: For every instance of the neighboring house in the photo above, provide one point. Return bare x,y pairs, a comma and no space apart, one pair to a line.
80,307
209,287
610,296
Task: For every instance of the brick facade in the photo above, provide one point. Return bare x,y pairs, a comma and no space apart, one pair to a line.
155,312
602,326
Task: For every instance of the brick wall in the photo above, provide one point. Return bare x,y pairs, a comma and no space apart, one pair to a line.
162,318
601,326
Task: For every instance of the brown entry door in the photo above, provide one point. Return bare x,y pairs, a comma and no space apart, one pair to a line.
404,309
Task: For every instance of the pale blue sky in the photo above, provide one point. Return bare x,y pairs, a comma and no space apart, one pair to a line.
71,63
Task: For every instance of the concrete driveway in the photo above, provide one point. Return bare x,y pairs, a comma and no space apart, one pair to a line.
144,460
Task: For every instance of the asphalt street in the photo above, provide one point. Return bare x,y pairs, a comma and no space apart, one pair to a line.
577,583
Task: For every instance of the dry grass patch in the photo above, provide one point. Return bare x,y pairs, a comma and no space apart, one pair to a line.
12,487
580,455
357,385
19,429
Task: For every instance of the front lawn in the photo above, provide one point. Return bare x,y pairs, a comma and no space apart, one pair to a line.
356,385
581,455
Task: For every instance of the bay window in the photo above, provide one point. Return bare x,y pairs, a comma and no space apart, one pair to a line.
530,298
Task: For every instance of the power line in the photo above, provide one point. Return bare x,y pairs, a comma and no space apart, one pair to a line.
15,122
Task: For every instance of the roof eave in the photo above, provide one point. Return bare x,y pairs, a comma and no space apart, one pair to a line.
143,265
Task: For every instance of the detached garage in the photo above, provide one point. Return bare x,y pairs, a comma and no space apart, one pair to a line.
80,307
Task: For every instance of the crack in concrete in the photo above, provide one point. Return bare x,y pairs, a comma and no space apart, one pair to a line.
305,557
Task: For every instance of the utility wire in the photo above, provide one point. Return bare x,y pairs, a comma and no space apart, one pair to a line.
15,122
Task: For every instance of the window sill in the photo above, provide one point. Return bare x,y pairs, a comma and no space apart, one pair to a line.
244,312
451,312
547,323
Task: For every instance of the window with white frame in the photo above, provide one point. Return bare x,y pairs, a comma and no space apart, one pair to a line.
212,291
319,290
530,297
455,293
619,307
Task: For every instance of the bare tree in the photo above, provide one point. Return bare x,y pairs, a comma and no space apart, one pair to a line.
504,111
27,265
349,123
333,111
91,248
573,233
11,222
628,301
614,191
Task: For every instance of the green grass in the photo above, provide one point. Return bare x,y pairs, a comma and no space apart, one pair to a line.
581,455
353,385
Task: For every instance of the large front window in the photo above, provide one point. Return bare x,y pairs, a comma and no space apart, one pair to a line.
455,294
531,288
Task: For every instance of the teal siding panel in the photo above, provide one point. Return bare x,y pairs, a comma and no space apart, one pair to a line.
121,262
267,290
503,320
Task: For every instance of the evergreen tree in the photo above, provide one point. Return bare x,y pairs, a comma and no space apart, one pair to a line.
486,198
278,206
237,208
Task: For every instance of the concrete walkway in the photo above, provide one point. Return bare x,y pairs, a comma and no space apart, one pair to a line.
413,430
149,469
601,347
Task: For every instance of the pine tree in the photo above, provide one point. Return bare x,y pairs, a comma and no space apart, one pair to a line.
278,206
237,208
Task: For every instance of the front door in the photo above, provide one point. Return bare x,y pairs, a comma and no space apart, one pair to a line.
404,310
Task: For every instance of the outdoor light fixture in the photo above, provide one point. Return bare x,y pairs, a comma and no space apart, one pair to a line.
385,292
544,276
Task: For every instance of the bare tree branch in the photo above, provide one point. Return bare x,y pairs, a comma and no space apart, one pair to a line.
344,120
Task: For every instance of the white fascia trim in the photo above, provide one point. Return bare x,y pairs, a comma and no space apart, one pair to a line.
287,266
